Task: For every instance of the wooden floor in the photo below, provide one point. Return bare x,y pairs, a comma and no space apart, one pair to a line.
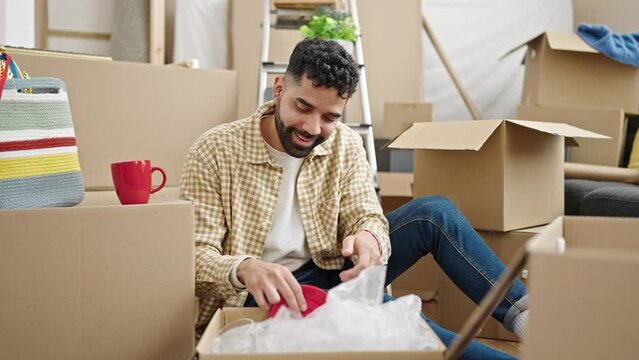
510,347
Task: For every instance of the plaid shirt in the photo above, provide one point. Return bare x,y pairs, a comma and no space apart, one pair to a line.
234,183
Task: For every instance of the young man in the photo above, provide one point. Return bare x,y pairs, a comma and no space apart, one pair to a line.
286,197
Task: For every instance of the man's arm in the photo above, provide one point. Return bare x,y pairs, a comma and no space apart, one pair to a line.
363,222
201,185
222,276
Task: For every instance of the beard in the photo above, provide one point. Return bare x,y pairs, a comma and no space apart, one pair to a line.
286,134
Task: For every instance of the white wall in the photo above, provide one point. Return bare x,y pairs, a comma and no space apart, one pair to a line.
17,23
620,15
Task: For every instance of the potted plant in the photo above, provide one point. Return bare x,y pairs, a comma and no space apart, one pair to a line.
331,24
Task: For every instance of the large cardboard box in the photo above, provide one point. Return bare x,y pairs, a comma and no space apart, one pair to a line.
502,174
226,316
399,116
99,280
581,302
455,307
128,111
563,70
606,121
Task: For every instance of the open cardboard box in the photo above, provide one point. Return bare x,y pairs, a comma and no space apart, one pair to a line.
581,304
226,316
129,111
502,174
563,70
606,121
98,280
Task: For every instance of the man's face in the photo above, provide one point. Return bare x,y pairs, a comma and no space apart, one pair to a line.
305,116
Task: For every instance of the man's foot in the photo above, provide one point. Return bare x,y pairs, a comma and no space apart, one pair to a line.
520,324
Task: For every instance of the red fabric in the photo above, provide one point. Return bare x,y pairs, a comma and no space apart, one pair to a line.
36,144
315,297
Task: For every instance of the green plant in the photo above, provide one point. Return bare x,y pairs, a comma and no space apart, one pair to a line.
330,24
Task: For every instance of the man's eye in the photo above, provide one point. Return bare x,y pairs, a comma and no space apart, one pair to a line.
303,109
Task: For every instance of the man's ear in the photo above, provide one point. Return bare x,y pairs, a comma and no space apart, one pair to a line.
278,88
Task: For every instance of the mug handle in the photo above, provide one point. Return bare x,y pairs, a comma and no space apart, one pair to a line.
153,169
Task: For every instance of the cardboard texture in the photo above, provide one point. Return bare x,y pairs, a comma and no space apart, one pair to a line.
128,111
98,281
562,70
395,189
226,316
580,300
502,174
399,116
392,62
455,307
609,122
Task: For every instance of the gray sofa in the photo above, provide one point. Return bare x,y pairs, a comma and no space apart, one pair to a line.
601,198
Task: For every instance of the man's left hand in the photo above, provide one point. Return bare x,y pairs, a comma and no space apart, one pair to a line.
366,248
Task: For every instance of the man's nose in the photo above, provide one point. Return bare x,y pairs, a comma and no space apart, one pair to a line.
313,126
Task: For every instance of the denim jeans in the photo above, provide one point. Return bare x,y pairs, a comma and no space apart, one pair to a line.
432,225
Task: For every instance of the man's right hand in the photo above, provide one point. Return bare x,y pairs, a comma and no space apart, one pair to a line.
268,283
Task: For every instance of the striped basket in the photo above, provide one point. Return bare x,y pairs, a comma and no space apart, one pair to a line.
39,165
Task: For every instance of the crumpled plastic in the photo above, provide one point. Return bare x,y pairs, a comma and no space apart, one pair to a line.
352,319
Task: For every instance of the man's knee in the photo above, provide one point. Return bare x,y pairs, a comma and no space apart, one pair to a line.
434,205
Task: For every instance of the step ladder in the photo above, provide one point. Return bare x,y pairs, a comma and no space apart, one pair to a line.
292,17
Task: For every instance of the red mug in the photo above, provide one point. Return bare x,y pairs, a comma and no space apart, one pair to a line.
132,181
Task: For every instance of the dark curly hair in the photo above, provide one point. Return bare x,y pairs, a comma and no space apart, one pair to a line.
326,64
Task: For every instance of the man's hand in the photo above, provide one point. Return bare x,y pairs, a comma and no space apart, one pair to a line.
268,283
366,247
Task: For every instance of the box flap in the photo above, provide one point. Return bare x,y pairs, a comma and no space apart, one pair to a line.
449,135
568,42
558,129
546,240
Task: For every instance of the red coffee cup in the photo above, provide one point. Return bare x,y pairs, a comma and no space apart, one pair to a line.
132,181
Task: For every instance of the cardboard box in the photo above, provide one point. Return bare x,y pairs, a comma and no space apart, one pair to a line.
128,111
226,316
563,70
502,174
455,307
610,122
384,69
399,116
98,280
395,189
581,302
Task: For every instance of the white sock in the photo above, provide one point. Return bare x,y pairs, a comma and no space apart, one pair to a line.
520,324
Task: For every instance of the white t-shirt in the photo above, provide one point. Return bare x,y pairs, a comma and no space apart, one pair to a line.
286,241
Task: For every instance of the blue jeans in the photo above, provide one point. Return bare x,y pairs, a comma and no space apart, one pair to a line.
432,225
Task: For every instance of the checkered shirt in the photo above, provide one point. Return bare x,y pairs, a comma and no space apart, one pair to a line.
233,182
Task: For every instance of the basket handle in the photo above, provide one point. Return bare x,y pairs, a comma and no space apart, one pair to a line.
5,72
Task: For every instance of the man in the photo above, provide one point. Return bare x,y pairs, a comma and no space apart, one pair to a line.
286,197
